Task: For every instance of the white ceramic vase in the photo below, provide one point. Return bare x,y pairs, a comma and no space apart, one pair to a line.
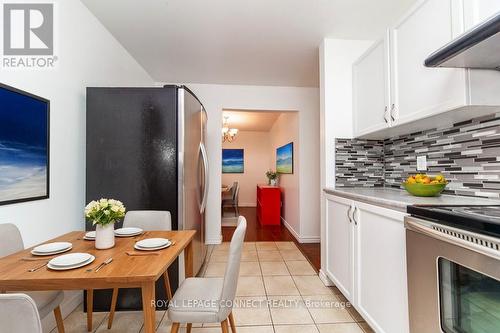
274,182
105,236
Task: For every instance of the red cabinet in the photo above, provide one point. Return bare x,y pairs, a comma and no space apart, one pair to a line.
269,204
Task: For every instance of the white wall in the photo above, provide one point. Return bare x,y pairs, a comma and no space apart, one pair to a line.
306,102
257,161
336,57
284,131
88,56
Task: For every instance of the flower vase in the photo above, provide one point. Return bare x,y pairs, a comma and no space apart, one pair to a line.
274,182
105,236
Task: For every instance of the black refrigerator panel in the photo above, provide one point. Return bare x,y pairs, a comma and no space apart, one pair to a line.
131,155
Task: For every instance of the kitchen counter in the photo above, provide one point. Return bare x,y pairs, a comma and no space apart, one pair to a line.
400,199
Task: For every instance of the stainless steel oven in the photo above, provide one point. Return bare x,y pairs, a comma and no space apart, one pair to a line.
453,279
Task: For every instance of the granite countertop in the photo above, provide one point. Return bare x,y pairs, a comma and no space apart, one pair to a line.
400,199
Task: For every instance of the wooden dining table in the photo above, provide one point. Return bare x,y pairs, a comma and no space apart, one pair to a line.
124,271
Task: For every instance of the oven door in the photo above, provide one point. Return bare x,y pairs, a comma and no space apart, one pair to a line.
453,279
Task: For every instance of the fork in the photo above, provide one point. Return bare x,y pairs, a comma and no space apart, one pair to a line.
106,262
37,267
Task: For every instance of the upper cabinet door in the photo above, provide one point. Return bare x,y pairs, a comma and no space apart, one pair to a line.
370,89
477,11
418,91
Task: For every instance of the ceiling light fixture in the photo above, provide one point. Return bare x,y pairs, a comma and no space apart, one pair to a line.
228,134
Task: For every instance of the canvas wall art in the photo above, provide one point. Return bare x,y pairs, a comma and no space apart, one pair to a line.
24,146
233,161
284,158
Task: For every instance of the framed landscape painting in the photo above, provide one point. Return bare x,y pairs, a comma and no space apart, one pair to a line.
233,161
24,146
284,158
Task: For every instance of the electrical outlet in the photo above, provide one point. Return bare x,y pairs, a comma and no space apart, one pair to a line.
422,163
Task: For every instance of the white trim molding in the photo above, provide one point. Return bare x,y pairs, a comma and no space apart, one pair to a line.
325,279
300,239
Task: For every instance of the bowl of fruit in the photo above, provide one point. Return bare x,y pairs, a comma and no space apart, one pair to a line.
422,185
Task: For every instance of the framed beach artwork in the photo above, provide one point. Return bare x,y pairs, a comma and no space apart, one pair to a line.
284,158
233,161
24,146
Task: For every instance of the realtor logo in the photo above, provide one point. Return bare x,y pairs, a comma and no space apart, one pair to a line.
28,29
28,35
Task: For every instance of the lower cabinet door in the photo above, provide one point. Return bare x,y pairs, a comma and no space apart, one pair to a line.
380,268
339,244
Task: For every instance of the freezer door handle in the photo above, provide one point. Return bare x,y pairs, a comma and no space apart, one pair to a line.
204,157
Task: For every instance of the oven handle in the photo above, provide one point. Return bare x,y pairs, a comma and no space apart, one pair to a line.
425,227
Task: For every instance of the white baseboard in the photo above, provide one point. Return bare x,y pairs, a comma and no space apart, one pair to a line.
300,239
72,299
289,227
309,239
325,279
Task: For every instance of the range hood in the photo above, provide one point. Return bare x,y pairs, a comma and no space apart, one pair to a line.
477,48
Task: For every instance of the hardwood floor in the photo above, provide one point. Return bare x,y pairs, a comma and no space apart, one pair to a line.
259,233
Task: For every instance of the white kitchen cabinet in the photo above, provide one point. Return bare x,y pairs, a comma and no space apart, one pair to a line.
366,260
339,243
476,11
380,268
416,95
418,91
371,89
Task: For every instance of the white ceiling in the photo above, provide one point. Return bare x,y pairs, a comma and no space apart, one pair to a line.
253,42
260,121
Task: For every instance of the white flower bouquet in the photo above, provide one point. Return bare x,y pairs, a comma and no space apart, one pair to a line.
104,211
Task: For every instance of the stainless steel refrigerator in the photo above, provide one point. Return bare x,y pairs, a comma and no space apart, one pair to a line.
146,147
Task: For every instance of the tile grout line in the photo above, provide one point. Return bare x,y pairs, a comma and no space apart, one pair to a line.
267,296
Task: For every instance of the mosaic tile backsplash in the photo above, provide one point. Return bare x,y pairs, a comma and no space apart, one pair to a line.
467,153
359,163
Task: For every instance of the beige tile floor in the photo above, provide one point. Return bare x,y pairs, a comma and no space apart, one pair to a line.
278,292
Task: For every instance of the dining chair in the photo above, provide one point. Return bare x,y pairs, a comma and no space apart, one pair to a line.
19,313
147,220
210,300
46,301
232,201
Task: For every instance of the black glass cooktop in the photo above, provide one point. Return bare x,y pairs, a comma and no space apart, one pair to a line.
480,219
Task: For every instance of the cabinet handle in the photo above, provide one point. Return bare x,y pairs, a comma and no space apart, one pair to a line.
393,108
354,215
385,115
349,214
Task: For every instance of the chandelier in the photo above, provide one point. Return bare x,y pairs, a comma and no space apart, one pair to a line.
228,134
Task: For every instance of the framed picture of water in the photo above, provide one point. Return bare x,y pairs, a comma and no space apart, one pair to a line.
233,161
24,146
284,158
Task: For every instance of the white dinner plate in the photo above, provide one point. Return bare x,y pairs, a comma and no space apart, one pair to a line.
35,253
137,247
90,234
70,259
128,232
152,242
52,247
65,268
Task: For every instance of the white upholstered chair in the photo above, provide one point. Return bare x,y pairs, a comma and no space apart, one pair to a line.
148,220
46,301
210,300
19,313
